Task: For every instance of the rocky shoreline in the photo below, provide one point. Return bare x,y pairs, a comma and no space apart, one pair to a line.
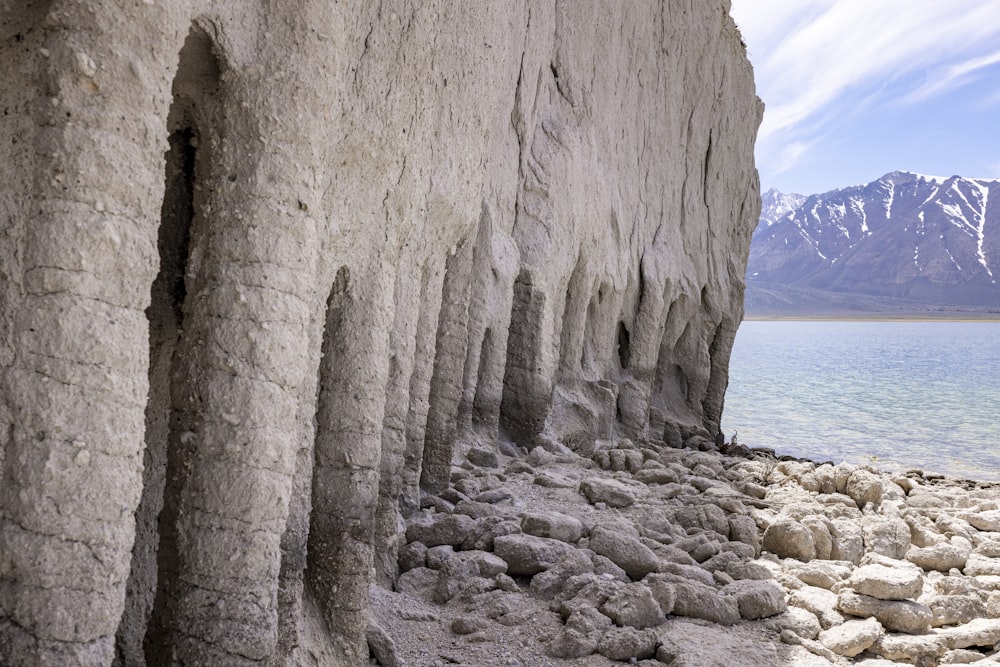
691,556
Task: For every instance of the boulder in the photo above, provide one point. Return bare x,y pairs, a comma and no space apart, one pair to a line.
786,538
700,601
662,588
527,554
412,555
852,637
797,620
756,598
743,528
954,609
623,550
483,457
581,634
894,615
608,491
941,557
627,644
865,487
438,555
848,541
417,582
979,632
988,521
819,601
633,606
453,575
977,565
821,573
555,525
887,583
914,649
441,529
886,535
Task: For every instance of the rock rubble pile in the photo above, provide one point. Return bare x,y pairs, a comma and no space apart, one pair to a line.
690,556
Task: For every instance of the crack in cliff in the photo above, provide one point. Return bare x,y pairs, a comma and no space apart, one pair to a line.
517,121
705,173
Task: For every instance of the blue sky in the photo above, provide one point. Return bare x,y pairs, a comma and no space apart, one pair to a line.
857,88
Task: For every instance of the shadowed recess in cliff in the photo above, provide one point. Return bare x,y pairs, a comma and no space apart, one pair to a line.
485,406
624,346
340,527
166,456
573,321
526,392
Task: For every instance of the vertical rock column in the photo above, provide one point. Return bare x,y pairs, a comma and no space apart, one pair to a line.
76,384
392,468
349,414
245,347
449,359
527,393
420,384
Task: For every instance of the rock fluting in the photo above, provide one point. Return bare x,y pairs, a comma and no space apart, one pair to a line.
269,269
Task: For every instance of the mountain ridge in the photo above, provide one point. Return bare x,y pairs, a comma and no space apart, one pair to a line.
931,240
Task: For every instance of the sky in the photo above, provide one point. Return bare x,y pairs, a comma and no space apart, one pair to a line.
854,89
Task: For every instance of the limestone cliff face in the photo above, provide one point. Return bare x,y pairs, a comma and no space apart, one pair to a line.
267,268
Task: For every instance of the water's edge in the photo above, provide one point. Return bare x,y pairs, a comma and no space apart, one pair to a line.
897,395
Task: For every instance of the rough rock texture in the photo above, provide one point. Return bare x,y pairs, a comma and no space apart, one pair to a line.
263,265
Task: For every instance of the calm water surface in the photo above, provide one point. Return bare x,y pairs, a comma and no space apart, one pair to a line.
896,395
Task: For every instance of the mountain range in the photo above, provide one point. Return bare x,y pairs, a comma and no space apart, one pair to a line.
906,242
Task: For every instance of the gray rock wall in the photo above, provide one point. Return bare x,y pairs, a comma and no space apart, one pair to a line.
269,268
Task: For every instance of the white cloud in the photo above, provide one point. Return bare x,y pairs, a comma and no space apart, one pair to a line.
790,155
817,60
953,76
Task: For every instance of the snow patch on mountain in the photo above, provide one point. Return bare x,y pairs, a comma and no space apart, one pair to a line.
829,240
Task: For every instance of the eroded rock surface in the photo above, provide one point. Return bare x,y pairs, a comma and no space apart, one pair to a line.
270,269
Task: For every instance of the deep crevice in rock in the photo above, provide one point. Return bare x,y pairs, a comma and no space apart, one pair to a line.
624,346
143,631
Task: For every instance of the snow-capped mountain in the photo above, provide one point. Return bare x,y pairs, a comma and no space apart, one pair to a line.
774,205
906,235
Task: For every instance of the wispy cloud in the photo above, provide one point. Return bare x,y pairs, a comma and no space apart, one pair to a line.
790,154
817,60
944,79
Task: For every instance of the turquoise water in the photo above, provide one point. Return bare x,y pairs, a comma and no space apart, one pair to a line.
896,395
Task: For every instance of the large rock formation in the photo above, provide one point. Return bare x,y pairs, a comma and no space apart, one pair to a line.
381,232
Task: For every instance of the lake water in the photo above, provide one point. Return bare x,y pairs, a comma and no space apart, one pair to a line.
895,395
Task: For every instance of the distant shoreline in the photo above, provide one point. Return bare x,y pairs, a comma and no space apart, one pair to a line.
877,317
